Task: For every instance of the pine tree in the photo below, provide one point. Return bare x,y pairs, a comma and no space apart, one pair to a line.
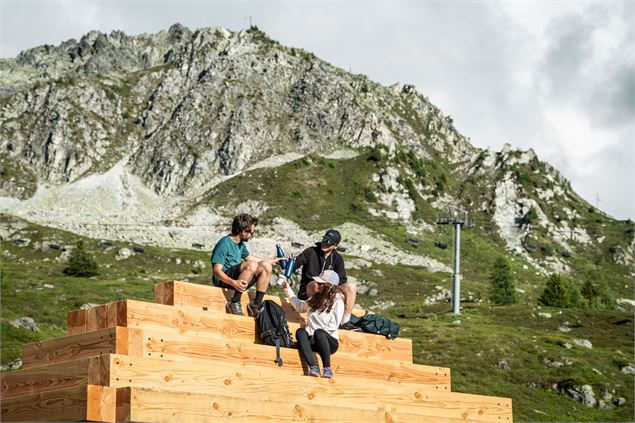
80,263
502,289
555,293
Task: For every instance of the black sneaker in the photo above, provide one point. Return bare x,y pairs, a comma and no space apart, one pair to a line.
254,309
234,308
351,327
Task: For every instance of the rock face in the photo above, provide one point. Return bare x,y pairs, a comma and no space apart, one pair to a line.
190,106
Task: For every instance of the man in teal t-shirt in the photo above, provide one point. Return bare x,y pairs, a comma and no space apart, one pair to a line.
233,267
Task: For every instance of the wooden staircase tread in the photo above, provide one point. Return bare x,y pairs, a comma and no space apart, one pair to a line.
196,322
209,377
98,403
80,372
150,405
195,295
148,343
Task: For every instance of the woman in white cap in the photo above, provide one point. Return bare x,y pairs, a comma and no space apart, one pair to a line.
325,309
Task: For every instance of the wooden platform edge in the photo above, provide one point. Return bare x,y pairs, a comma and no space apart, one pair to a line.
150,405
179,293
77,403
213,378
188,320
154,344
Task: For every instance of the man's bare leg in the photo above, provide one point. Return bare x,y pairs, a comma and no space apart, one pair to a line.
262,274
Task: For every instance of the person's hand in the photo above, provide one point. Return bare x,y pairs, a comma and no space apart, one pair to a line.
240,285
281,281
277,259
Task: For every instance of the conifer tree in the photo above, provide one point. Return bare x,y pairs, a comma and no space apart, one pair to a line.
80,263
555,293
502,289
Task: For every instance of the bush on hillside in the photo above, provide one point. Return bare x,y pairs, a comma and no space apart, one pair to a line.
576,300
502,289
597,295
595,290
555,293
80,262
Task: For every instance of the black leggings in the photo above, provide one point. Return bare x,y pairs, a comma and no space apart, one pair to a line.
321,342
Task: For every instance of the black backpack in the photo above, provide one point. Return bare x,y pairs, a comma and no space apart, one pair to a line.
377,324
273,328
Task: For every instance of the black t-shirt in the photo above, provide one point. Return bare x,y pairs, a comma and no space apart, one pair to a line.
313,263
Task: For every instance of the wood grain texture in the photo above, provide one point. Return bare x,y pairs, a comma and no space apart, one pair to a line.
78,403
180,347
76,322
194,322
101,403
68,404
71,347
207,377
93,370
194,295
177,407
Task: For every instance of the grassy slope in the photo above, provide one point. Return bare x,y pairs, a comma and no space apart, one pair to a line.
25,274
472,349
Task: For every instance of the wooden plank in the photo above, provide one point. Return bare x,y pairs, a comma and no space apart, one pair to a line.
72,347
206,296
97,317
208,377
68,374
178,347
67,404
86,402
164,293
76,322
178,407
101,403
117,340
193,322
122,405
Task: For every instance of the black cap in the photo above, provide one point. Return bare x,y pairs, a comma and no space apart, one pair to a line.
332,237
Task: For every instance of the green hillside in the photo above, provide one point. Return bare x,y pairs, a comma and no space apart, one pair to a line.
474,345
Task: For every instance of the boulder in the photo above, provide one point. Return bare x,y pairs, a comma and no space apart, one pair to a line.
12,365
587,396
25,323
583,343
628,370
123,254
503,364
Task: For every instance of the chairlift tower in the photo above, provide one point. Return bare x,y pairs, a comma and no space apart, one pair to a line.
457,217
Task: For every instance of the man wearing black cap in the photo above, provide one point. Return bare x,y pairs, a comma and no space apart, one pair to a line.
320,257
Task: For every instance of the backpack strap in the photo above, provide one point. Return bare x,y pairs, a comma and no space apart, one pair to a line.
278,359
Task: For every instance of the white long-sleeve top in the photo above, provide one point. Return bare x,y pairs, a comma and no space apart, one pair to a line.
330,322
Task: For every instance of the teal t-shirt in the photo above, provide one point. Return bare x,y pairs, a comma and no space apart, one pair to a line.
228,253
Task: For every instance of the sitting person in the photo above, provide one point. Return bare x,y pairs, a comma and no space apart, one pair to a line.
325,309
319,258
234,268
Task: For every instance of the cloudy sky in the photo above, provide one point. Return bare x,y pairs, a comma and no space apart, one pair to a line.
555,76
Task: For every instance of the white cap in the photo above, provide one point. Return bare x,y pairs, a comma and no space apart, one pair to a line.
328,276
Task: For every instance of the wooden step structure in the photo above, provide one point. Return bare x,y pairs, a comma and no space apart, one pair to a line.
184,359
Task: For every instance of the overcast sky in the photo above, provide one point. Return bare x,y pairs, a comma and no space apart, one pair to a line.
558,77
